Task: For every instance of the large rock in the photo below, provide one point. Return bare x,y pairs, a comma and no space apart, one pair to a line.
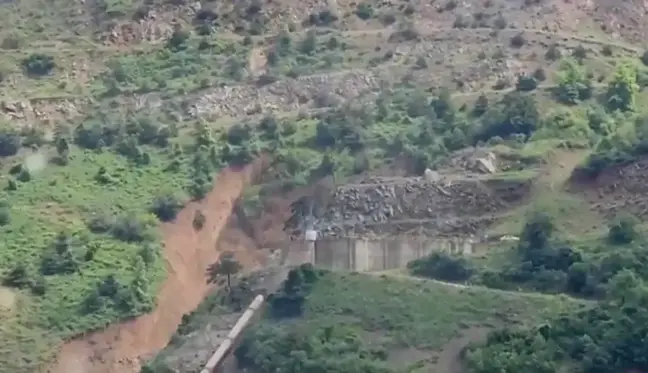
486,164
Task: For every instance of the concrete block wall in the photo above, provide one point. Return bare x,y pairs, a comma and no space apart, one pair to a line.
361,254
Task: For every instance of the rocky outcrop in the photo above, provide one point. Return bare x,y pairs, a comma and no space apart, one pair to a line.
285,95
42,110
458,206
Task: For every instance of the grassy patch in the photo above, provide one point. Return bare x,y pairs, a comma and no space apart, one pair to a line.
421,314
195,63
63,200
369,321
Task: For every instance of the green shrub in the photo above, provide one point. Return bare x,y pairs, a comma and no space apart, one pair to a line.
514,114
129,228
518,40
289,300
5,213
644,58
364,11
38,64
199,220
10,142
553,53
178,39
623,230
166,207
526,83
442,266
17,277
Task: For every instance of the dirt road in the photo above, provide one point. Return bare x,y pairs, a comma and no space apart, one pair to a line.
120,347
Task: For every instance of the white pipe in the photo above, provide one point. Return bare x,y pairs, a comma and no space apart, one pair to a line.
226,345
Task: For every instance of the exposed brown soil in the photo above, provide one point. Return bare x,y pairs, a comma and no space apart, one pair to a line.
121,347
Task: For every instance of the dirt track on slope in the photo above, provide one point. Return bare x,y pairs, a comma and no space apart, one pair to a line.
121,347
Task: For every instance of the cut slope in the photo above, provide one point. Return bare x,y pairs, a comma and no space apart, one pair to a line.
188,252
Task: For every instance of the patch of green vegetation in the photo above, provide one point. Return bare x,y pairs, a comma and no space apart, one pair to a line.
184,65
311,53
608,338
79,216
375,315
544,261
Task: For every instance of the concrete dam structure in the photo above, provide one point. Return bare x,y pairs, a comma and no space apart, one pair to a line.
378,254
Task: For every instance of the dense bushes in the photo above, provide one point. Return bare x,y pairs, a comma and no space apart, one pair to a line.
574,84
546,265
443,267
541,262
619,148
166,207
623,230
270,348
125,299
289,300
10,142
38,64
515,114
603,339
96,133
332,349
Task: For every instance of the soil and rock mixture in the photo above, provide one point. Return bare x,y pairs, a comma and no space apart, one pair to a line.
470,191
437,208
621,189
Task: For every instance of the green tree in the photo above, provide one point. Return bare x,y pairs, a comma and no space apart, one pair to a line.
573,83
526,83
10,141
623,89
18,277
178,39
623,230
5,213
364,11
481,105
443,267
309,44
227,265
38,64
202,134
624,286
235,68
516,113
167,206
62,150
140,285
59,258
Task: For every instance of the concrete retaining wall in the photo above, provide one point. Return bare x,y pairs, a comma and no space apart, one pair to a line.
361,254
